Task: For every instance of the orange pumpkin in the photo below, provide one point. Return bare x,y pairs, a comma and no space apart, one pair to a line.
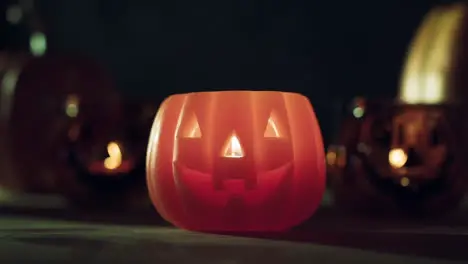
236,160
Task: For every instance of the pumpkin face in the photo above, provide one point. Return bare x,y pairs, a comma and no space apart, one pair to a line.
418,138
411,144
414,152
405,155
236,159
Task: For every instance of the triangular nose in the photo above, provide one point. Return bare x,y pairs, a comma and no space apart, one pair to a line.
232,148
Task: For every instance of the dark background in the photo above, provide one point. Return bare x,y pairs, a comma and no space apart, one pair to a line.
328,50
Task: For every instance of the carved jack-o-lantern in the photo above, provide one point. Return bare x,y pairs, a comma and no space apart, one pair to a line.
413,151
406,155
411,143
51,95
418,145
236,160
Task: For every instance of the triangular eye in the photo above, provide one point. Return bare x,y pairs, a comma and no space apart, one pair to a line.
272,129
191,128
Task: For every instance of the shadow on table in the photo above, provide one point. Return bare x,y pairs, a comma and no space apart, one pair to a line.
442,237
124,217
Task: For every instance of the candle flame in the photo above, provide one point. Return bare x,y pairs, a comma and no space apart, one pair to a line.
397,158
233,148
115,156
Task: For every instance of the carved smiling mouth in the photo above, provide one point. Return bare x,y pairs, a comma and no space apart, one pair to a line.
254,189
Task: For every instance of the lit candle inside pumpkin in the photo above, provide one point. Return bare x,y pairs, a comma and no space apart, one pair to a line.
113,164
233,148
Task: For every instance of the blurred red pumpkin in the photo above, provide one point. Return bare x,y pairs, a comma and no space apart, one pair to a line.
55,97
11,64
236,160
